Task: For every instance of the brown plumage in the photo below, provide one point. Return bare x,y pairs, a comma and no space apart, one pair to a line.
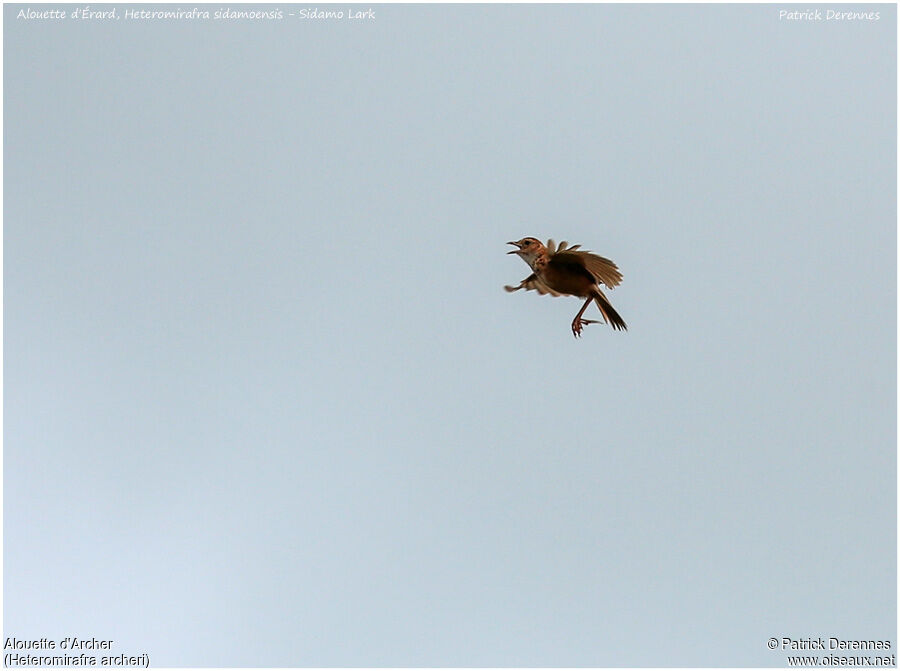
569,271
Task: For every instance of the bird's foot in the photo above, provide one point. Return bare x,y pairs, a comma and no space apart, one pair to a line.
578,326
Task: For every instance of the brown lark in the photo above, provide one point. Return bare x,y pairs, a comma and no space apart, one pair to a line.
568,271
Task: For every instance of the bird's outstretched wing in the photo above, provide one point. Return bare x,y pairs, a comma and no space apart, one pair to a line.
563,246
533,283
603,269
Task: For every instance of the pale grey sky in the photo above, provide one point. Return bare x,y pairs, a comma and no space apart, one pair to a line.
266,402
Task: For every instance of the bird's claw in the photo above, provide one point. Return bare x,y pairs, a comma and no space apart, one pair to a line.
578,326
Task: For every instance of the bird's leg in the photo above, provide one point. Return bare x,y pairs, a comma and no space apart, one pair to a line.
578,323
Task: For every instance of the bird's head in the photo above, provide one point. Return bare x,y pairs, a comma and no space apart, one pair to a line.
528,249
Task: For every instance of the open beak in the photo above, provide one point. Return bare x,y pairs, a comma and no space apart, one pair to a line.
515,251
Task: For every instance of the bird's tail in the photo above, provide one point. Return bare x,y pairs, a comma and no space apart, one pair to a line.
609,312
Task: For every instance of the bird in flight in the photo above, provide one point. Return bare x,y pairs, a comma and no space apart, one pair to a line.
569,271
